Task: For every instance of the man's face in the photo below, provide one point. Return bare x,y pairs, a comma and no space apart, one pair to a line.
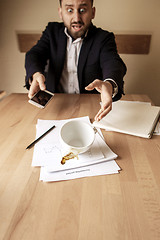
77,16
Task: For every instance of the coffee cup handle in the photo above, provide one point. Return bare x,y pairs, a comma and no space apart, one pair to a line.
96,131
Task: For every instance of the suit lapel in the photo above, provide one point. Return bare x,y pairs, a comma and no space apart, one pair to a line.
85,49
61,53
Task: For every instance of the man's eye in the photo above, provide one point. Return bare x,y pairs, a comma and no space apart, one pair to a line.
82,10
69,10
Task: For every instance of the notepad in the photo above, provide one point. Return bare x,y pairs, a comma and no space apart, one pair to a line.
134,118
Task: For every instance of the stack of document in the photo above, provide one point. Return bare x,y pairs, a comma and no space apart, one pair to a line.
48,153
134,118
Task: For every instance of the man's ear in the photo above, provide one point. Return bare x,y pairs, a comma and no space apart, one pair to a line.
60,12
93,12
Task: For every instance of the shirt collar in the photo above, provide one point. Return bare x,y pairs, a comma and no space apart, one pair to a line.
76,40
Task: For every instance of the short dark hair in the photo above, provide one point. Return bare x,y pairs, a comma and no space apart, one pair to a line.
60,2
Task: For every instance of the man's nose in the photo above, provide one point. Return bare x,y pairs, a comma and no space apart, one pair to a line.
77,16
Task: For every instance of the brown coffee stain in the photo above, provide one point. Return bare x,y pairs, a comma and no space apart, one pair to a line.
68,156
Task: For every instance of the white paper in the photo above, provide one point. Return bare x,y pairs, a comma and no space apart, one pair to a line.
109,167
135,118
48,152
99,160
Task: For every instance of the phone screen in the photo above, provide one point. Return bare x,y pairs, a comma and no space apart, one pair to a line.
41,98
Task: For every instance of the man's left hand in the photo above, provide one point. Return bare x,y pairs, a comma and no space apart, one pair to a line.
106,90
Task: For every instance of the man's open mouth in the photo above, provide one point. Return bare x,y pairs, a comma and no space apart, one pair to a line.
77,27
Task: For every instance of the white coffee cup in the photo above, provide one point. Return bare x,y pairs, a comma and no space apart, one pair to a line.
77,136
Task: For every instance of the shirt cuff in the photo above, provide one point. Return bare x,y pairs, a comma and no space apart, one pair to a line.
114,85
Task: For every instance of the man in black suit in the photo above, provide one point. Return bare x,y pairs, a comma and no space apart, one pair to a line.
80,57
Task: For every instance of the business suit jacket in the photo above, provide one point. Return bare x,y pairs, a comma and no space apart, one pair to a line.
98,58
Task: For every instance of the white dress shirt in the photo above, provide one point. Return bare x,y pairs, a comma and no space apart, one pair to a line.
69,79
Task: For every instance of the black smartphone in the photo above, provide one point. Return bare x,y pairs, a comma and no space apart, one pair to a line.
41,98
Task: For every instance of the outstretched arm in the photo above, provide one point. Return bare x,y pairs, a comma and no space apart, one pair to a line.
106,90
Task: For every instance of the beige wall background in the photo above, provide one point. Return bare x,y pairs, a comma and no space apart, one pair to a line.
125,16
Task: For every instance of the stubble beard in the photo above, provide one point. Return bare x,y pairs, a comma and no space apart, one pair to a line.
79,33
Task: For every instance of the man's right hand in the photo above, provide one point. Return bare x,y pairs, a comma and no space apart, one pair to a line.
38,83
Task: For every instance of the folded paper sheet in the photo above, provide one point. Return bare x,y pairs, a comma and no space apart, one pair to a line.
134,118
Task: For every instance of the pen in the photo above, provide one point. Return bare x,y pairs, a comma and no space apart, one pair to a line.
33,143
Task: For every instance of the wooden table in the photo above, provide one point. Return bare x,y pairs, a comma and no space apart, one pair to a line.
113,207
2,94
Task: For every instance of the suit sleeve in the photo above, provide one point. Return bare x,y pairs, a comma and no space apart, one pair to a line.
111,64
36,58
